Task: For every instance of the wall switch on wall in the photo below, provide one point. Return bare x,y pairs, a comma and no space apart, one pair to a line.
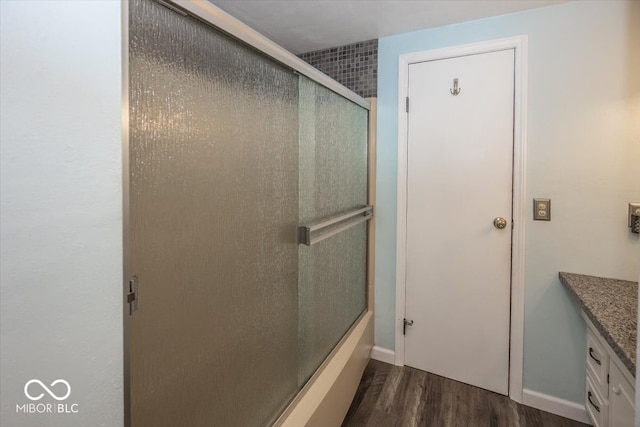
542,209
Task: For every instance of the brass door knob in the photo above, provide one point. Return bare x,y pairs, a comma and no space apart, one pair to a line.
499,223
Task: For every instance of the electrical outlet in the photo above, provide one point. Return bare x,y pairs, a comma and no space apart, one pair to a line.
542,209
634,217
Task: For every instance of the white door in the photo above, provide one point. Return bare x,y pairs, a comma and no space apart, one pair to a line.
460,162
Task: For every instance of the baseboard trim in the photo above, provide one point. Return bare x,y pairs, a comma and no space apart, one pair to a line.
383,355
555,405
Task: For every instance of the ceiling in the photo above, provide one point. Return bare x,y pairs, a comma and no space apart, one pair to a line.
307,25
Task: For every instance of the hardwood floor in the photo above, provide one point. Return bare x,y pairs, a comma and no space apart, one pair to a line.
390,396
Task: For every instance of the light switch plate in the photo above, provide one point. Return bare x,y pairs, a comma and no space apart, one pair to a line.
542,209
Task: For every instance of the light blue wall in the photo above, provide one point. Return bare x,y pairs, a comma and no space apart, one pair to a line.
61,209
583,153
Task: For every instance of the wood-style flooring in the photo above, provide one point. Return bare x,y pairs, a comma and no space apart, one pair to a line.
390,396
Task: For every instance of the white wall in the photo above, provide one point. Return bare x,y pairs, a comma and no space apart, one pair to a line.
583,153
61,225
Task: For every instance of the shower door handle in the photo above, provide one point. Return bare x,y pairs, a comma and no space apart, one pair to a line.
304,232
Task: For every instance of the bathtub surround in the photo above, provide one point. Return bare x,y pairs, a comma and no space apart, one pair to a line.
583,129
354,65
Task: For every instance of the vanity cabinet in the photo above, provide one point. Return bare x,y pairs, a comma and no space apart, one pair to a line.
610,387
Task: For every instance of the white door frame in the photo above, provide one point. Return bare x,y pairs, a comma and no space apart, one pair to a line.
519,44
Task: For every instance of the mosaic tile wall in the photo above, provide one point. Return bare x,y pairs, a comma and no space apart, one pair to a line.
354,65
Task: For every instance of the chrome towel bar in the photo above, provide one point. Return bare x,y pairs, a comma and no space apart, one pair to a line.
304,232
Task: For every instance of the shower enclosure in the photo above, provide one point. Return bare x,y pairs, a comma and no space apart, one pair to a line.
247,220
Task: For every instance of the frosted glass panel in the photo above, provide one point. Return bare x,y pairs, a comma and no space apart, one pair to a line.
333,153
333,180
214,208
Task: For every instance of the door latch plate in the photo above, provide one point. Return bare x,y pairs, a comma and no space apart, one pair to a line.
132,295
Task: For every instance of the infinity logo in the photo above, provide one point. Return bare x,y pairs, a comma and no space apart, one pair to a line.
52,394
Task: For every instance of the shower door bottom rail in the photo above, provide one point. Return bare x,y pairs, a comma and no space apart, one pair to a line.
304,232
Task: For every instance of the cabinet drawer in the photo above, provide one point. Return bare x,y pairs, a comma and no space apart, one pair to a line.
596,406
597,363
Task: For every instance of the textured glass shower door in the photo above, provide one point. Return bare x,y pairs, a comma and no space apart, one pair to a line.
214,210
230,152
333,182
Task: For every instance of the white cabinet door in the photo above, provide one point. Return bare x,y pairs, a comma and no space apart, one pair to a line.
621,399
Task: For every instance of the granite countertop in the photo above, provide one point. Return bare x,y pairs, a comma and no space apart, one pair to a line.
612,306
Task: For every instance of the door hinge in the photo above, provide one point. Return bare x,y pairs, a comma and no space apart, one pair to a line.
406,323
407,104
132,295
